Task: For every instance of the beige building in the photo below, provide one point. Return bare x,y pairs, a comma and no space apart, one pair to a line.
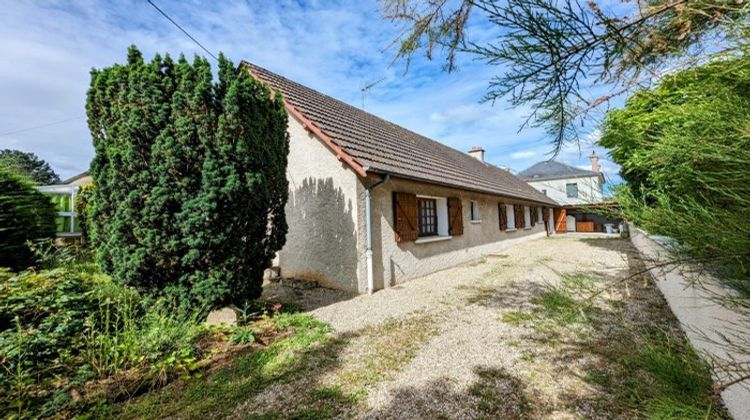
372,204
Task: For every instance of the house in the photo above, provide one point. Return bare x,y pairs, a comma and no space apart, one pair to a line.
64,196
372,204
566,184
579,191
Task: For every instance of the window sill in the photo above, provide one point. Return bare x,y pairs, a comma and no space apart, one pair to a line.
428,239
476,222
511,230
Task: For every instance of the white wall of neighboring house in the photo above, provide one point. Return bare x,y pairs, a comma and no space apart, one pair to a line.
589,189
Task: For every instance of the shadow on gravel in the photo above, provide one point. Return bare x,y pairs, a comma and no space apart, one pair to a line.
495,394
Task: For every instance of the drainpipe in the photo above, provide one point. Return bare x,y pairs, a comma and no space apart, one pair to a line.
368,218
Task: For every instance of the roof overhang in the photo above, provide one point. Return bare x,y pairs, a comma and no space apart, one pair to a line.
572,176
551,203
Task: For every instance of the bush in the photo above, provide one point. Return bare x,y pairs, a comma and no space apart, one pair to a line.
26,215
65,327
190,177
83,210
684,149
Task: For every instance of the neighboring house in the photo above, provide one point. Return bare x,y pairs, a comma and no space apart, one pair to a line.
64,196
578,190
372,204
566,184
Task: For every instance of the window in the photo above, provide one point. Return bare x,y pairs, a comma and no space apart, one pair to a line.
475,216
63,197
511,217
572,190
527,217
427,216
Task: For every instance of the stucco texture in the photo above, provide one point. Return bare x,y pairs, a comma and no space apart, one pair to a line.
322,242
395,262
326,216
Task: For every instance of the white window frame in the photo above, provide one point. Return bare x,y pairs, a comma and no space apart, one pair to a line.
510,217
441,208
71,190
474,214
527,217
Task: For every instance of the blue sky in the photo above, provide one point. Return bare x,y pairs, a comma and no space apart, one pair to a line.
332,46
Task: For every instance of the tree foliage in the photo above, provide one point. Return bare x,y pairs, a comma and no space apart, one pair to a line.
190,177
26,215
684,148
554,55
83,210
27,166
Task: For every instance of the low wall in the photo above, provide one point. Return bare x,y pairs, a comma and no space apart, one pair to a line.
701,317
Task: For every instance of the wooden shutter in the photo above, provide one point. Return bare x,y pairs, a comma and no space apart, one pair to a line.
503,216
520,219
532,216
455,217
405,216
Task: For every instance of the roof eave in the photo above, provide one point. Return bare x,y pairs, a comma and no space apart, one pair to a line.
460,187
552,178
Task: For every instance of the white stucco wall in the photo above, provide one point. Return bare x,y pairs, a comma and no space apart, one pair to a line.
322,243
589,189
398,262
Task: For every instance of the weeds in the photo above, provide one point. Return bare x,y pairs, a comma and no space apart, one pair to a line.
517,318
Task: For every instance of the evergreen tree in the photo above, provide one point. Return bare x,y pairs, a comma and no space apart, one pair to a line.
190,177
26,215
27,166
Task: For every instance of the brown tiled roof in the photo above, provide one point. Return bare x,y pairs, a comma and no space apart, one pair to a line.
380,146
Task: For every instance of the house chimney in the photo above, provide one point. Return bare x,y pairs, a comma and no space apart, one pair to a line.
595,162
477,152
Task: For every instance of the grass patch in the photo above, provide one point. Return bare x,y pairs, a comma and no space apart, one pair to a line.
517,318
385,349
221,391
680,383
557,304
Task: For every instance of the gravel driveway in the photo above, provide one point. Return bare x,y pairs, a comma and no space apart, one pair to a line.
518,334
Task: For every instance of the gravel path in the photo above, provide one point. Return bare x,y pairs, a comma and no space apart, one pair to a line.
467,342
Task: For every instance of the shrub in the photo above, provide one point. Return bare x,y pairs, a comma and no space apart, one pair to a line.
65,327
190,177
684,148
26,215
83,210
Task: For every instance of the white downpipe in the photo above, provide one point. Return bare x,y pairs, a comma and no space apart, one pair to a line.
368,221
368,252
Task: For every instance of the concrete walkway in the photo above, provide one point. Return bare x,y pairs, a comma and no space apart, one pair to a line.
693,299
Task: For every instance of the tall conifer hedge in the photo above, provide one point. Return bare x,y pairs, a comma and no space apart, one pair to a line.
26,215
190,177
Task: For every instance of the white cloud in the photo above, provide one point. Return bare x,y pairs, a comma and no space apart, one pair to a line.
523,155
49,75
